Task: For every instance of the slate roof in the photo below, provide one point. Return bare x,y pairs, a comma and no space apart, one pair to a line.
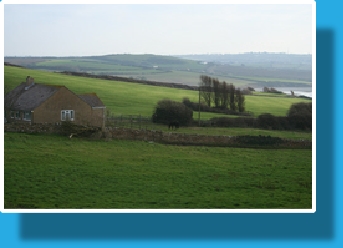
26,100
92,99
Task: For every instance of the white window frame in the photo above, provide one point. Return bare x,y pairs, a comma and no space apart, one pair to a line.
65,112
29,112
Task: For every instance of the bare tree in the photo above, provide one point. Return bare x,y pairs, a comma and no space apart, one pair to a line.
240,100
216,91
205,89
232,97
224,95
221,94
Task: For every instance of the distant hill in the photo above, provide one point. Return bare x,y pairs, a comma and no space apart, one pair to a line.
272,60
271,70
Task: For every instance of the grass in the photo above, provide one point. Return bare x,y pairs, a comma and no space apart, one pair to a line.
216,131
167,69
246,131
47,171
187,73
134,99
56,172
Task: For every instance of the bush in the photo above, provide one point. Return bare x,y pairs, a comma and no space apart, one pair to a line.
267,121
167,111
300,109
300,116
233,122
195,105
220,110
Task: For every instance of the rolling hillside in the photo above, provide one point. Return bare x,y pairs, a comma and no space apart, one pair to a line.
134,99
275,73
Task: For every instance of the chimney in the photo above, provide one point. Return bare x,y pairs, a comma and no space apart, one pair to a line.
29,81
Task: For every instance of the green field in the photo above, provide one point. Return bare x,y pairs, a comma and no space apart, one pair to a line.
173,69
47,171
232,131
137,99
58,172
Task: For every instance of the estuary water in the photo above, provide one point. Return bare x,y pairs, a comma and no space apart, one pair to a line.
298,91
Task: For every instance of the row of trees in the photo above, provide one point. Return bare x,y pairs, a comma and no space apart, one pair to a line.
221,94
299,117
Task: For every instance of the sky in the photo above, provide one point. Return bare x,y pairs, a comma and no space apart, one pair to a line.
166,29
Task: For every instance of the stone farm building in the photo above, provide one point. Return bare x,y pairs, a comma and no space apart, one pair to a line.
40,103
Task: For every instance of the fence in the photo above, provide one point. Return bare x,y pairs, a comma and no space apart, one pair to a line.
131,121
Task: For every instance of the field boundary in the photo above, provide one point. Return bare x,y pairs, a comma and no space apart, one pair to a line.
185,139
171,138
131,80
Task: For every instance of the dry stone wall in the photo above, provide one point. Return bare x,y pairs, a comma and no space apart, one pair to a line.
115,133
49,128
205,140
32,128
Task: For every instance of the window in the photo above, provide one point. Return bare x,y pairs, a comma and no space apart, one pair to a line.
27,116
67,115
12,114
17,115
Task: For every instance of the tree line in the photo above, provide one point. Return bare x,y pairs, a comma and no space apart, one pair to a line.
221,95
299,117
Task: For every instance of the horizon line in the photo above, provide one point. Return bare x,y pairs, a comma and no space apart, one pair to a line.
171,55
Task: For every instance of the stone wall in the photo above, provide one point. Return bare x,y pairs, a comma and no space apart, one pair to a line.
110,133
50,128
205,140
32,127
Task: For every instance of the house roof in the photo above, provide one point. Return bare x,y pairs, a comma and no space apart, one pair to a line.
92,99
27,98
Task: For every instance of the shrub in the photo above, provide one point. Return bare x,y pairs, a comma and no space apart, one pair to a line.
300,116
233,122
204,108
267,121
301,108
167,111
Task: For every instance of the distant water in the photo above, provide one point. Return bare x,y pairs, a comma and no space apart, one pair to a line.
298,91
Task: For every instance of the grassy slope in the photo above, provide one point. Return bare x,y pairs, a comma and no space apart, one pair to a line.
54,172
170,69
245,131
134,99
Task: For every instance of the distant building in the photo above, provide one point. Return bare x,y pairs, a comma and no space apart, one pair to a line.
40,103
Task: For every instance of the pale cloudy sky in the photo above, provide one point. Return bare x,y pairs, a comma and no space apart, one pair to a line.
82,30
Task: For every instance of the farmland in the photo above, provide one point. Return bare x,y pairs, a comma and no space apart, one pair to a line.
241,70
134,99
58,172
48,171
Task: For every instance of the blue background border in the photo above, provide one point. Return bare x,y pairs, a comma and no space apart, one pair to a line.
319,229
